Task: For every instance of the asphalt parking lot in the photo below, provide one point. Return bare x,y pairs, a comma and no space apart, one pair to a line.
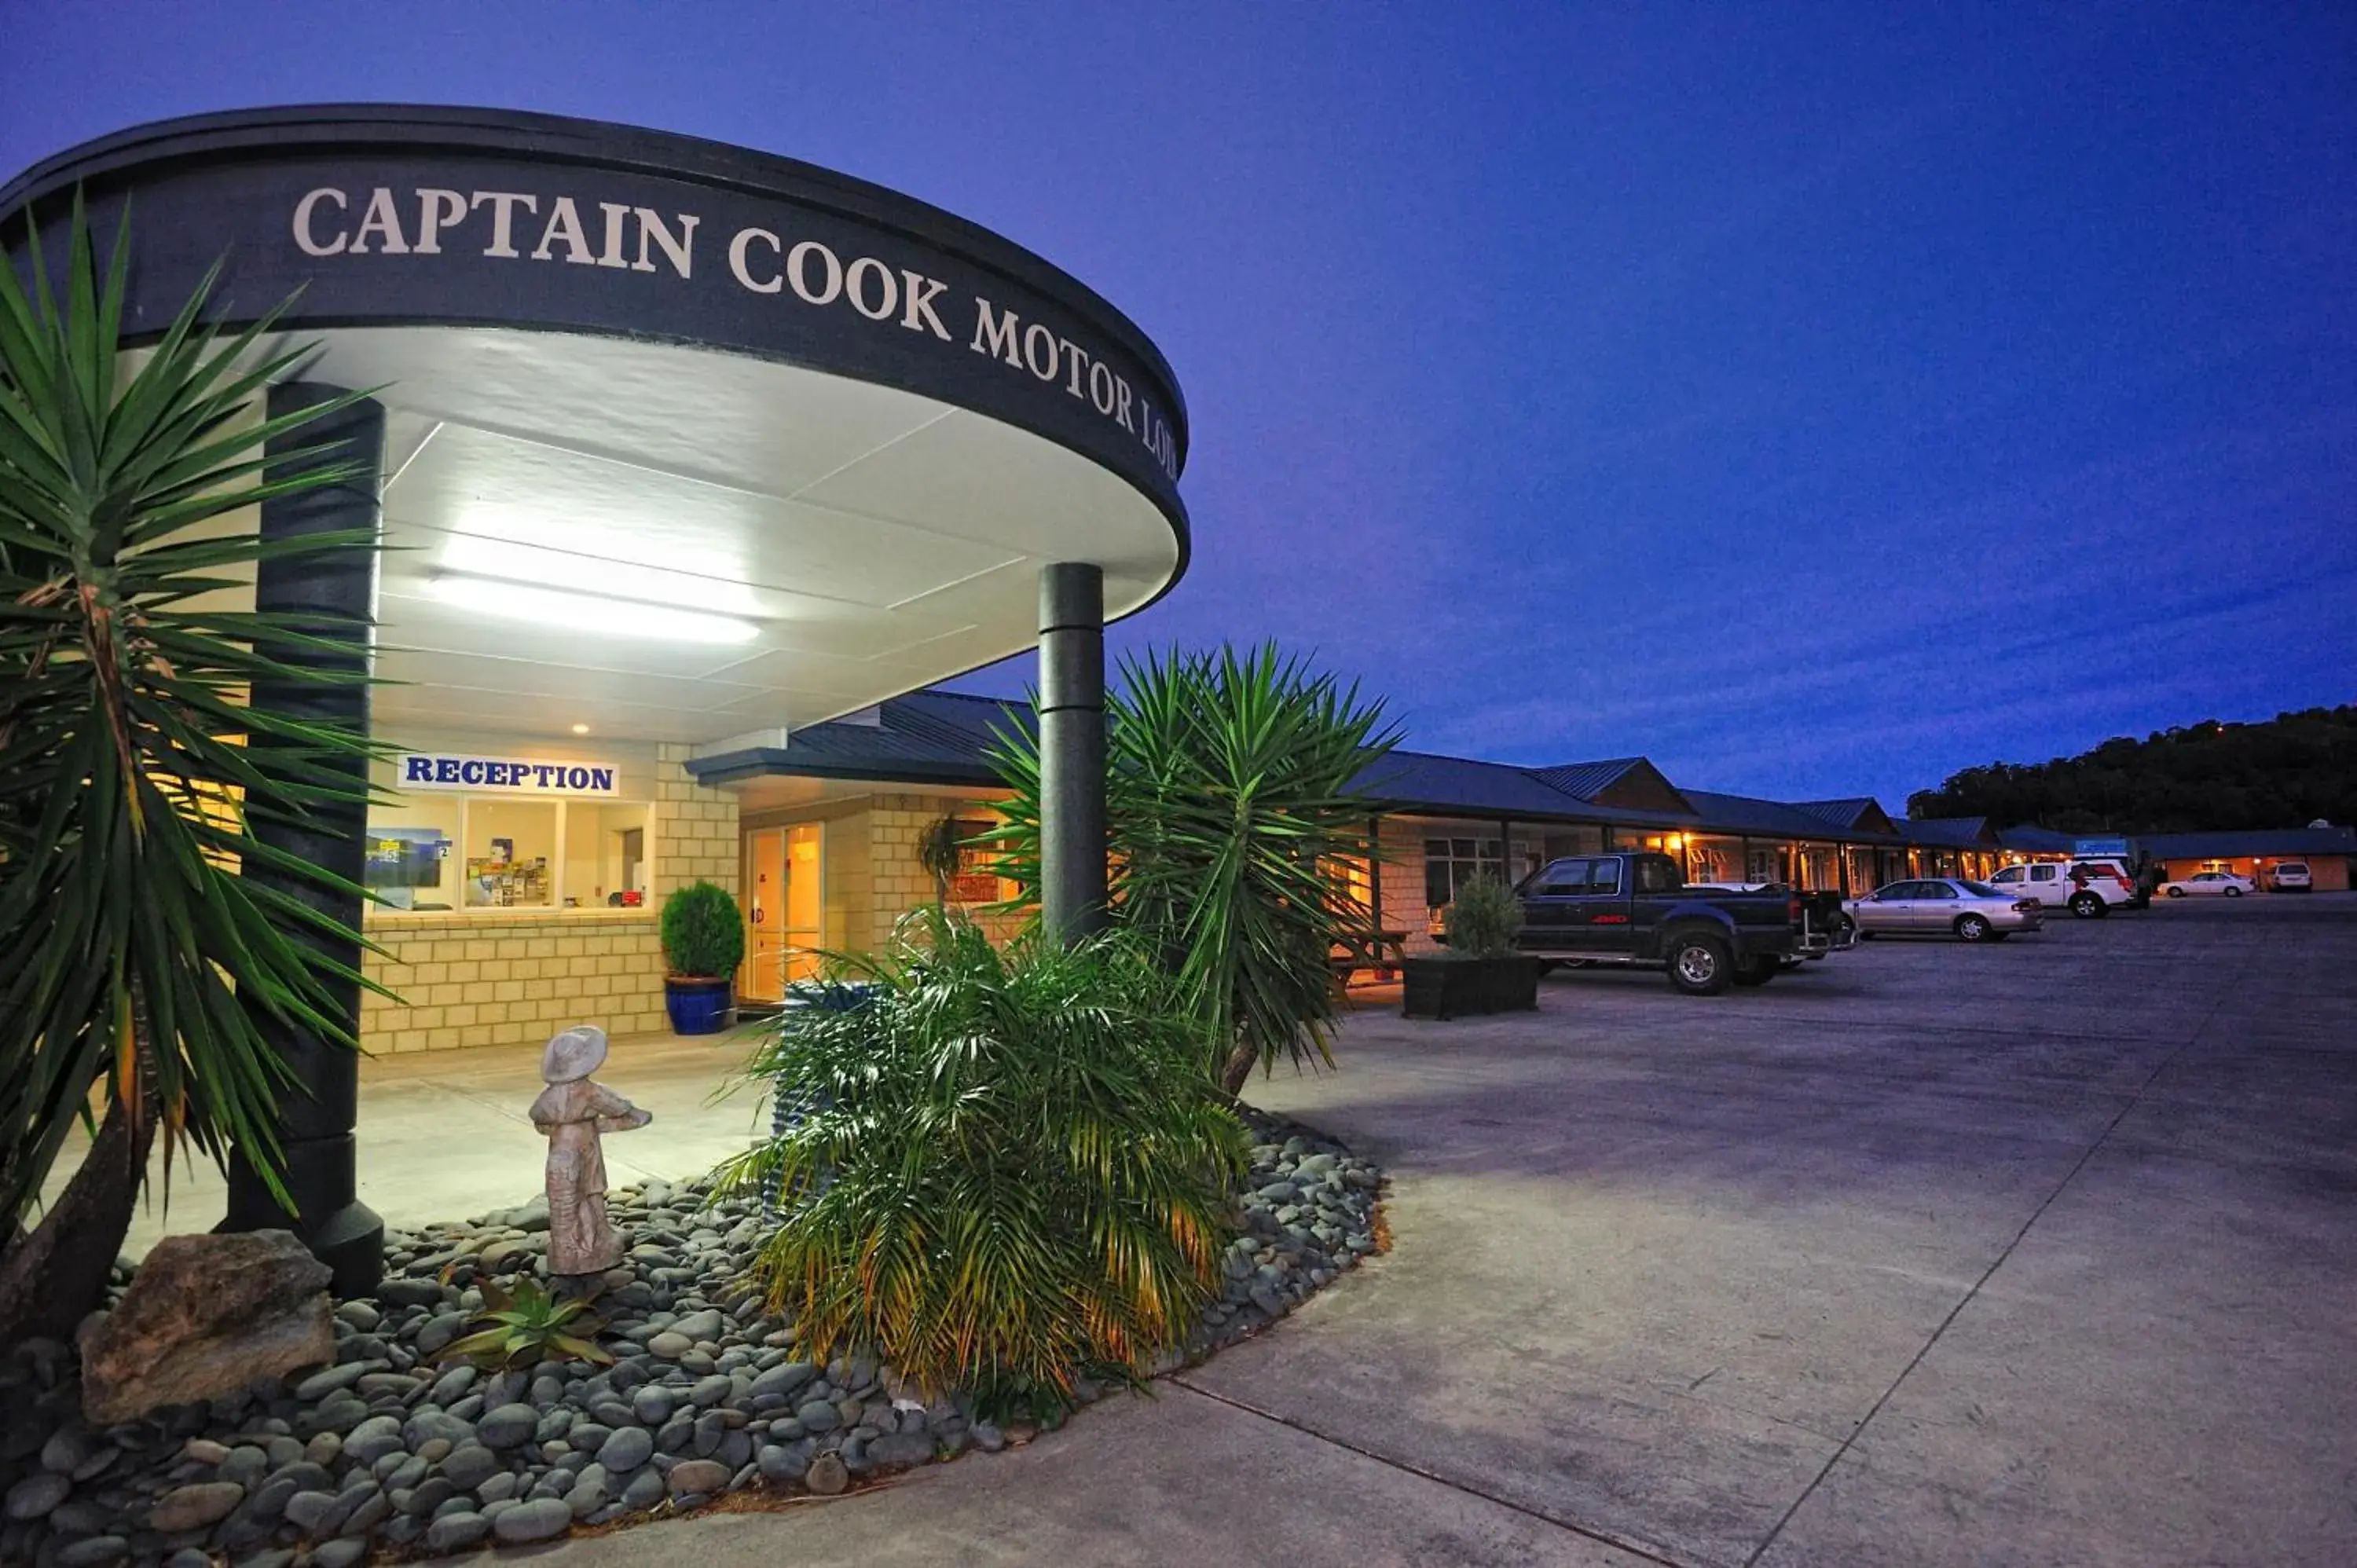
2043,1252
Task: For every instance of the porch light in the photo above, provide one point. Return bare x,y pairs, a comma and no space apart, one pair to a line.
1673,843
587,613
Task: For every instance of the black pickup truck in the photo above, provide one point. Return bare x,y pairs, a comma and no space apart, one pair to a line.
1635,909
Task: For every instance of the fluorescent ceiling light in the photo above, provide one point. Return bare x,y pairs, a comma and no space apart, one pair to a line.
482,556
563,611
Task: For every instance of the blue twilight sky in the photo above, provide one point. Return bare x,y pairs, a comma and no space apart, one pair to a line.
1816,399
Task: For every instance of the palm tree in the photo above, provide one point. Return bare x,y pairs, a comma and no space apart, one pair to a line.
1231,800
142,966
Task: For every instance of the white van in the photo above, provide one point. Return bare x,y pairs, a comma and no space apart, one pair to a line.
2291,876
2088,888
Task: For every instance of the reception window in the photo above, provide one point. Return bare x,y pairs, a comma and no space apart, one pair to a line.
432,852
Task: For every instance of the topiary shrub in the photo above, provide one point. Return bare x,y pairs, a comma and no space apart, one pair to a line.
1484,919
1012,1171
702,935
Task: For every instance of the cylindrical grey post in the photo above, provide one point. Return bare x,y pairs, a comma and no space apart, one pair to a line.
330,592
1071,750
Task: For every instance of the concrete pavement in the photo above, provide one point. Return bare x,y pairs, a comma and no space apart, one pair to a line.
2034,1254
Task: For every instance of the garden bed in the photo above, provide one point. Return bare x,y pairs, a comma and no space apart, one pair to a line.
391,1453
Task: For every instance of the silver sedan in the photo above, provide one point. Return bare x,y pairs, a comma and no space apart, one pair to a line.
1945,906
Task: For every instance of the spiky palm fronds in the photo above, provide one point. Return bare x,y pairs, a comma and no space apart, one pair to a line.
131,771
1232,801
1013,1170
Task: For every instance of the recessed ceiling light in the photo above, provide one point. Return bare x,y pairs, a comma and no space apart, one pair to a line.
580,729
478,555
590,615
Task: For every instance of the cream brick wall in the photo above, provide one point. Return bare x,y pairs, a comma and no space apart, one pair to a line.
870,866
695,829
510,980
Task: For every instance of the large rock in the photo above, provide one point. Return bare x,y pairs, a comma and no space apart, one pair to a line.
205,1316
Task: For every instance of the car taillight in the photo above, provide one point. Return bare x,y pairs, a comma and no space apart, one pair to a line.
1793,911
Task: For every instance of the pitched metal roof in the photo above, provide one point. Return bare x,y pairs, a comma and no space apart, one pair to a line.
1749,814
1586,780
1422,781
1842,813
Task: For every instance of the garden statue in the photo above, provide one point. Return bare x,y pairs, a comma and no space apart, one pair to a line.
571,1112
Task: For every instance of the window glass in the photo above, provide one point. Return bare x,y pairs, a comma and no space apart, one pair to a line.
510,847
605,855
1564,879
1604,876
1981,890
1939,890
410,864
2042,871
1657,876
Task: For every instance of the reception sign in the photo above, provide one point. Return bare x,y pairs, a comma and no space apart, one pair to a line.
505,775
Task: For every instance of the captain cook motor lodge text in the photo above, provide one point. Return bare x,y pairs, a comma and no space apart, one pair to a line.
637,238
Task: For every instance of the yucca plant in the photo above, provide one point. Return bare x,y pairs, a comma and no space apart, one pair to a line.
1231,797
1011,1171
528,1325
137,960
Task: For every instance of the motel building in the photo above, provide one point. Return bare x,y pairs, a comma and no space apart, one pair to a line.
678,449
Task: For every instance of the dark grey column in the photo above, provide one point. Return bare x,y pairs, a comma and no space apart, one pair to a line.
333,591
1071,750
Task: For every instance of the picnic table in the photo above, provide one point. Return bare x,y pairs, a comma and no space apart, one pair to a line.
1365,949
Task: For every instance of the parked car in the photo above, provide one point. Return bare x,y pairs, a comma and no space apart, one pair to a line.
2209,884
2088,888
1947,905
1634,909
2291,876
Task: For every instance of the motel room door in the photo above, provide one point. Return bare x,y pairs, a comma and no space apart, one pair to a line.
781,910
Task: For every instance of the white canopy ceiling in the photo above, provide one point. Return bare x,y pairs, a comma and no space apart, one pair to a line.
669,543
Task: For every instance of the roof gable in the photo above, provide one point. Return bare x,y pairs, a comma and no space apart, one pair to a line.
1632,783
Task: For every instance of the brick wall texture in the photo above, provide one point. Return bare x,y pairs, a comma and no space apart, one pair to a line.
509,978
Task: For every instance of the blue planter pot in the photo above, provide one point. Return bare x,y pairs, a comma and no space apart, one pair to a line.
699,1006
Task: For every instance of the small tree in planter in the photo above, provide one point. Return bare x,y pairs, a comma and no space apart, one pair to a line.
941,847
703,943
1480,973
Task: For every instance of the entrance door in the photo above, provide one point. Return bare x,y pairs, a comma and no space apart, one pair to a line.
783,882
765,906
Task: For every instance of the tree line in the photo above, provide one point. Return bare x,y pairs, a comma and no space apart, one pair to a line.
2286,771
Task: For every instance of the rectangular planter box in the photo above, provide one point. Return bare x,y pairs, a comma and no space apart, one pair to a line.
1454,987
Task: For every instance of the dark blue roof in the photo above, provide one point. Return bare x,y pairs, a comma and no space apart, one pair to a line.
925,737
1586,780
1777,819
1422,779
1957,832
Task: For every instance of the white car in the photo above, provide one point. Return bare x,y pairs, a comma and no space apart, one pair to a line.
2210,885
1945,906
2291,876
2086,888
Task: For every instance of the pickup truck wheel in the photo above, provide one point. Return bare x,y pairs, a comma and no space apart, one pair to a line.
1973,928
1757,970
1700,965
2086,906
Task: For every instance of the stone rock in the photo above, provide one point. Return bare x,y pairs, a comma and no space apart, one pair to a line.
205,1316
372,1439
818,1415
319,1514
645,1490
652,1405
91,1550
500,1487
361,1315
699,1476
36,1495
780,1464
534,1520
507,1426
340,1553
901,1448
469,1467
630,1447
699,1325
194,1506
827,1475
454,1530
670,1345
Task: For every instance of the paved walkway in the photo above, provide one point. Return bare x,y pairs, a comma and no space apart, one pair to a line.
2039,1253
443,1134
